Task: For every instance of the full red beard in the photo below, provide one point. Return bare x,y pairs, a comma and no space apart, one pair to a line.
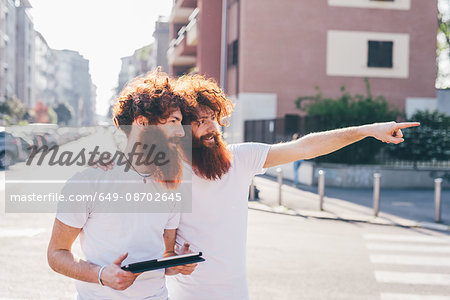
210,161
169,175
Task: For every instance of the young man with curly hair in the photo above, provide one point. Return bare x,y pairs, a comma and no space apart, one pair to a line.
110,239
217,225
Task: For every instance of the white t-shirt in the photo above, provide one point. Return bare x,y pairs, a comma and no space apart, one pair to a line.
217,226
105,236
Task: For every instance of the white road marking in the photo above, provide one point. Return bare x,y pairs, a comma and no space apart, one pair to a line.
408,248
389,296
412,278
24,232
410,260
407,238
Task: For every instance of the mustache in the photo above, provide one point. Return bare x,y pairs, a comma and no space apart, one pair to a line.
207,136
174,140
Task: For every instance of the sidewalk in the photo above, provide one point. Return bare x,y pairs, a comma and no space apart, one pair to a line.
306,204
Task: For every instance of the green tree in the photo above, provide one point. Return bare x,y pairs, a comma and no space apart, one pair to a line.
14,109
63,112
348,110
443,43
444,23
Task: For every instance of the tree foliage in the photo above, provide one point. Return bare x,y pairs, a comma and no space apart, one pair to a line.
427,142
443,44
64,113
444,22
14,109
349,110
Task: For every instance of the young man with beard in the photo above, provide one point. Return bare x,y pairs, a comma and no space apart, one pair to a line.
114,235
217,225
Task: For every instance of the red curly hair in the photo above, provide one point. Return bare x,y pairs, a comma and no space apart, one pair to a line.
198,90
150,96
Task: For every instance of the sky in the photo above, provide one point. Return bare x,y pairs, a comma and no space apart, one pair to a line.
102,31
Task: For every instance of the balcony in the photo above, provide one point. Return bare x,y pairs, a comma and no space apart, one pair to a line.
181,11
180,53
186,3
192,29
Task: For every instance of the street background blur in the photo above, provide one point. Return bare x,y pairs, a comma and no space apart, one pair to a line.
291,67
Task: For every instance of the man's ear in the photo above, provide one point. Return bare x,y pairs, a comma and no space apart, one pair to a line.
141,121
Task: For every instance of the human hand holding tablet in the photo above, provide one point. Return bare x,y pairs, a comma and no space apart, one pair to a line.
163,263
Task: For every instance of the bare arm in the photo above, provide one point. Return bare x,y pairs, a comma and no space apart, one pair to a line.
322,143
61,259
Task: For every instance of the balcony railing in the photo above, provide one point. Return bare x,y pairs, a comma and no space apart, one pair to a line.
181,11
192,29
179,53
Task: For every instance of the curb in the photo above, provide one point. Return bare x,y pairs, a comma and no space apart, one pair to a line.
326,215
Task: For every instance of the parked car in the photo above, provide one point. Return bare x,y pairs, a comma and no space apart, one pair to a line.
12,149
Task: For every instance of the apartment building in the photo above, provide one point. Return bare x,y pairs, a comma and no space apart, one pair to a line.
7,49
196,34
45,72
161,44
275,53
24,54
74,86
141,62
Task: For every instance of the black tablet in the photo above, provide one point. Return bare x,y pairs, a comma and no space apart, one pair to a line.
163,263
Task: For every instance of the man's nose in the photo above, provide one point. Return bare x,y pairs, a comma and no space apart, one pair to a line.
179,131
211,127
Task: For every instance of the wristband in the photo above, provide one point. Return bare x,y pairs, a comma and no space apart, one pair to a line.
99,274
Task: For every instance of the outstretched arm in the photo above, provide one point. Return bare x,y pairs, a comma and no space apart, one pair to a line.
321,143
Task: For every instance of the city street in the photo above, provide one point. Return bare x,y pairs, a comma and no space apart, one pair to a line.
298,258
289,257
305,78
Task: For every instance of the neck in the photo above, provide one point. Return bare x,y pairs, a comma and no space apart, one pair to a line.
134,147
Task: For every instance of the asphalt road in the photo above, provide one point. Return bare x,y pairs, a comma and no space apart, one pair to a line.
298,258
288,258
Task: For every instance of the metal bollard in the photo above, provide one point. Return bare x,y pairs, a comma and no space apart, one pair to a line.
280,184
376,193
252,191
437,198
321,188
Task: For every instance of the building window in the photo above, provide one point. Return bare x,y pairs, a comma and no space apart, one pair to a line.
380,54
233,53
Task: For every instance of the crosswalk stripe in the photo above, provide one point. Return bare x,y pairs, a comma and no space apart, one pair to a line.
389,296
412,278
23,232
410,260
407,238
408,248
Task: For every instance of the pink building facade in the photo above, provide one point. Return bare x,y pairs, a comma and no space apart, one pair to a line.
278,52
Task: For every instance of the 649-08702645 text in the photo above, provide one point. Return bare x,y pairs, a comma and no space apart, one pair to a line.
102,197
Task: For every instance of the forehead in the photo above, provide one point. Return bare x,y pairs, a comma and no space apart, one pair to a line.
205,111
176,112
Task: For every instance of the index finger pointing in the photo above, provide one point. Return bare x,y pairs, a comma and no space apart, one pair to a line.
407,124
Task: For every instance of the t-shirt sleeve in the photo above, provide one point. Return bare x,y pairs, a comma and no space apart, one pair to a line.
75,213
76,220
252,156
173,221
